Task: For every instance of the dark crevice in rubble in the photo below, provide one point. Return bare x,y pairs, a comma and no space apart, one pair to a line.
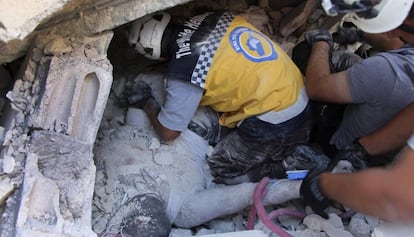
41,73
9,210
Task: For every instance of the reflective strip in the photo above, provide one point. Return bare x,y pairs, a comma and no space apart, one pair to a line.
276,117
209,50
410,142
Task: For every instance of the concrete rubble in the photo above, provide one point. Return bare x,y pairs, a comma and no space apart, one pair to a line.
59,106
54,116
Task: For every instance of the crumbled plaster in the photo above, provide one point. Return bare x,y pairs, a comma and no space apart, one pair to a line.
80,18
6,187
61,94
62,168
22,17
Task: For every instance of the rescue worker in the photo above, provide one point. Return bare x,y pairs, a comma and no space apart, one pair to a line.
219,60
375,90
378,119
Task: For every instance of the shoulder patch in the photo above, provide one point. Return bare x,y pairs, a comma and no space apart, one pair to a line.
254,45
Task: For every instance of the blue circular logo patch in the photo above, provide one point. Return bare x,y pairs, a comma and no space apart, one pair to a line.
252,44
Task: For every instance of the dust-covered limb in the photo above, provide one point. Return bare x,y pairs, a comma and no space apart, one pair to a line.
225,200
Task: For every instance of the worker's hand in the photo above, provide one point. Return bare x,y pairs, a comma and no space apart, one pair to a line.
312,194
348,34
138,93
319,35
344,60
355,154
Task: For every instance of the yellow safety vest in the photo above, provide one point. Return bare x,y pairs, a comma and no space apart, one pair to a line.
243,72
241,85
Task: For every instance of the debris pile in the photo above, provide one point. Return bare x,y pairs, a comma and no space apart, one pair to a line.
132,161
51,145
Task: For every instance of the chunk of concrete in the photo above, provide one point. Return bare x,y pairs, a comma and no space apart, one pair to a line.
22,17
6,187
24,20
333,226
76,89
62,168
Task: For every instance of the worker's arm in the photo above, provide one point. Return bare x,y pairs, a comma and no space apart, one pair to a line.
181,102
152,108
392,136
383,192
139,95
321,84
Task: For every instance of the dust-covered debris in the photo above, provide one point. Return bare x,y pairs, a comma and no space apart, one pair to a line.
130,160
6,187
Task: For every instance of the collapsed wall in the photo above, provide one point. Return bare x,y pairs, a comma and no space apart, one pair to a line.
56,108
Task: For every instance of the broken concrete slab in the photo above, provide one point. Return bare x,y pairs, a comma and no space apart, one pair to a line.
332,226
91,74
62,168
82,18
76,87
6,187
22,17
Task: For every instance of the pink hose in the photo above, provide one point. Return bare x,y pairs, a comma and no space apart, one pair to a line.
258,208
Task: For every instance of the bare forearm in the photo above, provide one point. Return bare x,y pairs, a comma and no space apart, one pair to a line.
393,135
152,108
321,84
362,191
386,193
318,68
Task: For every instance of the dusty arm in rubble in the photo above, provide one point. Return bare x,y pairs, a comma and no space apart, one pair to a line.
321,84
382,192
228,200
